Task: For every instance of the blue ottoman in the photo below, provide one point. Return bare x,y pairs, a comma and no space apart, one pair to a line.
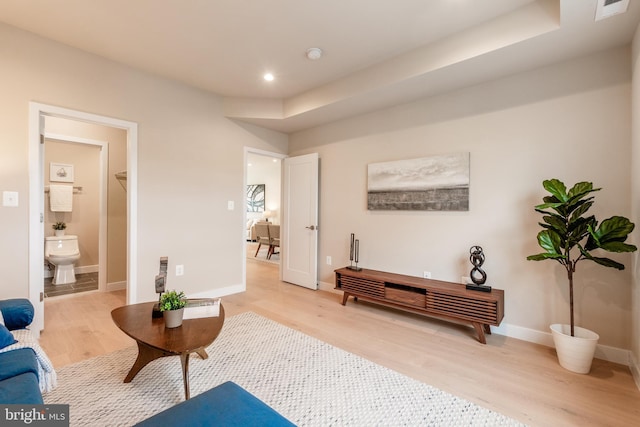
225,405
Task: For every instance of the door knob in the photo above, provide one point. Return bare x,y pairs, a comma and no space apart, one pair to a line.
312,227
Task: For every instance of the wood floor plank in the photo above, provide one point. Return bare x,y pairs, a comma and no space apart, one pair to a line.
517,378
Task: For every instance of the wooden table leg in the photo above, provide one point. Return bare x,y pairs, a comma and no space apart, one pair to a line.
487,329
345,297
480,330
184,359
202,353
146,354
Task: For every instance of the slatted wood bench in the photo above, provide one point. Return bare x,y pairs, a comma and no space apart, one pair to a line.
436,298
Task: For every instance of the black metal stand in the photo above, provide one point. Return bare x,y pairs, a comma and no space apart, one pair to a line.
481,288
156,311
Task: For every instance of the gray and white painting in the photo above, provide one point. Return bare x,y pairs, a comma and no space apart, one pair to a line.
436,183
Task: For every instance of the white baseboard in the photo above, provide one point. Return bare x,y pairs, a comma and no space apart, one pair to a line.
78,270
634,365
604,352
328,287
221,292
86,269
116,286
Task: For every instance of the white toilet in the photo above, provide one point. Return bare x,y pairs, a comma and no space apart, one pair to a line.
62,252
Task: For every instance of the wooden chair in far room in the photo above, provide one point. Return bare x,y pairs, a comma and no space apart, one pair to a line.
274,239
262,236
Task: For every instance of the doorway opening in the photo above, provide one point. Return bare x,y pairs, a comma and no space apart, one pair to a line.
80,166
41,120
262,206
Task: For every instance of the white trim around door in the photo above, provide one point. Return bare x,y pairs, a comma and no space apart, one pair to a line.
37,112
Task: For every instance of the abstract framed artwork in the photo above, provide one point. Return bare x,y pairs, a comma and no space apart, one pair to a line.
255,198
436,183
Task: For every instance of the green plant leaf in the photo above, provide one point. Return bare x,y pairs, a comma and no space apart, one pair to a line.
556,188
550,241
550,205
607,262
172,300
579,229
543,256
581,209
556,222
616,228
580,189
618,247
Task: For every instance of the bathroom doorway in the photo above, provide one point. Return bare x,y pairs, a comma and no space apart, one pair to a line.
115,223
75,165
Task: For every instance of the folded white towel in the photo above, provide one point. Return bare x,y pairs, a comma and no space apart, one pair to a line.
61,198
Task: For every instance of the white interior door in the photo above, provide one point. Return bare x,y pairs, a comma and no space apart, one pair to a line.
299,244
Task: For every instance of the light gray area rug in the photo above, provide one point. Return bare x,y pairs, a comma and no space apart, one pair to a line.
308,381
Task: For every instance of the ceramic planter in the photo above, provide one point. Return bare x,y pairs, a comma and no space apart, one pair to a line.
59,233
173,318
574,353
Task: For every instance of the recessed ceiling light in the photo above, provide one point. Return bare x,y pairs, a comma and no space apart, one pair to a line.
314,53
269,77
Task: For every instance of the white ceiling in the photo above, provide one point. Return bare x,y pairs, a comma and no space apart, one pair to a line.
377,52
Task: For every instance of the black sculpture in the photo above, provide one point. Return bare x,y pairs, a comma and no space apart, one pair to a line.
477,259
161,283
354,251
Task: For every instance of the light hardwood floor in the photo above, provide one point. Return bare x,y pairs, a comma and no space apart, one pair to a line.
516,378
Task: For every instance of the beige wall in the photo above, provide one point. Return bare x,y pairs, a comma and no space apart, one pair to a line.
190,161
116,139
84,219
569,121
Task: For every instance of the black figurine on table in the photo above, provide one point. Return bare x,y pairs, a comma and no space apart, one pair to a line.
477,259
161,283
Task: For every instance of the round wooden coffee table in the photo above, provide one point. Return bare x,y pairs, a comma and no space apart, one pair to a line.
155,341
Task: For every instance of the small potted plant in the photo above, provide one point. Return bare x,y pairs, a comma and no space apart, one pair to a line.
59,228
567,226
172,305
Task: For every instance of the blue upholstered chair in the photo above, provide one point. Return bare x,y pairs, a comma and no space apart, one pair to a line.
226,405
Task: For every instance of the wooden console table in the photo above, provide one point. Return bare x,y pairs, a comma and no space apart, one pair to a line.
446,300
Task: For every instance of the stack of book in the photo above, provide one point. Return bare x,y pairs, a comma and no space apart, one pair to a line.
202,307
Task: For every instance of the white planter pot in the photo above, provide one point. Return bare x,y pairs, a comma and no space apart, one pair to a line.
59,233
574,353
173,318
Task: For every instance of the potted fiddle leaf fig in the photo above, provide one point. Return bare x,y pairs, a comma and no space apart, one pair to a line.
172,305
569,236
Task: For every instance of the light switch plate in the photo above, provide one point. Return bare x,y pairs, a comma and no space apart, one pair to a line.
10,199
230,205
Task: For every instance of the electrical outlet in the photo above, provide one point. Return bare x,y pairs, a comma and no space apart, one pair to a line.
426,275
179,270
328,260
